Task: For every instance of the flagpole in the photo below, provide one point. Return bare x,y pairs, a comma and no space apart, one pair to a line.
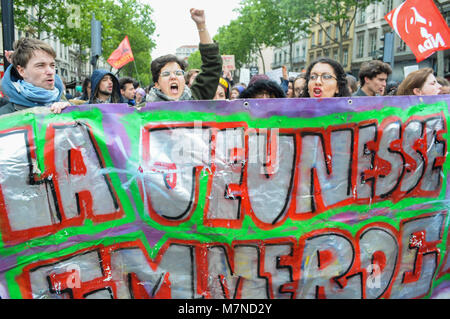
137,74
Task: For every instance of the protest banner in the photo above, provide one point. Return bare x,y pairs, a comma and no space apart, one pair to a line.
278,198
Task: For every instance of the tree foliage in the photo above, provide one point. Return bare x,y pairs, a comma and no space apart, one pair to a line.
195,60
341,14
70,22
264,23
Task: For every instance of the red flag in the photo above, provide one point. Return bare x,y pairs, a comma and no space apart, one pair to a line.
420,24
122,55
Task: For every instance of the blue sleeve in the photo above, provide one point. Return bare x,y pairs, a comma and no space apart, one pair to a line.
284,85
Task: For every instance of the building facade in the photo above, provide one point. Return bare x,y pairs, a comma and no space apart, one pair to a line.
185,51
370,27
299,56
362,44
325,40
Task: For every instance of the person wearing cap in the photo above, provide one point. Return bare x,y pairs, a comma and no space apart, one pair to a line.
236,91
223,90
140,95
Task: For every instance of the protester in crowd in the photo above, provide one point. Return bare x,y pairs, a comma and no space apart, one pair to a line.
445,85
3,99
420,82
127,90
391,88
31,79
286,83
227,76
236,91
67,93
168,71
325,78
373,77
261,87
352,83
223,90
290,88
191,75
140,96
85,90
105,88
299,84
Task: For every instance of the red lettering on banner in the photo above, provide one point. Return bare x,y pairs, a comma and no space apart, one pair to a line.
65,164
333,167
325,263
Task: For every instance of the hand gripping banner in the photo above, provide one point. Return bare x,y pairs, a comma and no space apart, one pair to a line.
280,198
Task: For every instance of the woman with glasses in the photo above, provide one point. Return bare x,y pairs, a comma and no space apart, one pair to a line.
325,78
168,71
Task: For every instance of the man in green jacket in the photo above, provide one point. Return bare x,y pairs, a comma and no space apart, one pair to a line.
168,70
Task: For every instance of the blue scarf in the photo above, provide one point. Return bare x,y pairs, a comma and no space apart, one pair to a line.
26,94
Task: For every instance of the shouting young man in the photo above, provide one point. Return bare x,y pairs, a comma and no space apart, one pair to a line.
31,79
105,88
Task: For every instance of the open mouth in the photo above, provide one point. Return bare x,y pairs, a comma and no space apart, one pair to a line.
174,88
317,92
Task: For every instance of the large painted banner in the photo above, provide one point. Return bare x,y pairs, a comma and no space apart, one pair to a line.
287,198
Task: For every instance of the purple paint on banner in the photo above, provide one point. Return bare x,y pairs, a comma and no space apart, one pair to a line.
303,107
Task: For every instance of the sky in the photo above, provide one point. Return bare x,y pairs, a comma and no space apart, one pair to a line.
174,24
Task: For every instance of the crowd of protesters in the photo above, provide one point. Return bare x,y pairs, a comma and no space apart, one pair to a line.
31,80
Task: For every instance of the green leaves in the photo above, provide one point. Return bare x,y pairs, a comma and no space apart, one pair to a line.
264,23
70,22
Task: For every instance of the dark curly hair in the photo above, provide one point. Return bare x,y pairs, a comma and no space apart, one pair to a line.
160,62
371,69
271,87
341,77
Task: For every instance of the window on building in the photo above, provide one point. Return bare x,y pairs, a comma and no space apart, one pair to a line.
372,43
389,6
335,54
402,46
362,16
320,37
347,29
360,46
345,57
328,34
313,39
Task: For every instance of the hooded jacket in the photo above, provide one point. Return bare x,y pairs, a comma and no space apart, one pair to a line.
96,77
17,100
206,82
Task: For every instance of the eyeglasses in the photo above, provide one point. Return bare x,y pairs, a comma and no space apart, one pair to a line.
324,77
167,73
